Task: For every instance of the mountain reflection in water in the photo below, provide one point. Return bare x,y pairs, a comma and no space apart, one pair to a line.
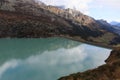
46,59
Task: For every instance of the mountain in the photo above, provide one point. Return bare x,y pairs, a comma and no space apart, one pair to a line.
118,24
61,6
108,71
111,28
32,18
114,23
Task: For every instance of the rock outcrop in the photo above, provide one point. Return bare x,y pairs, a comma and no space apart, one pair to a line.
108,71
34,19
13,24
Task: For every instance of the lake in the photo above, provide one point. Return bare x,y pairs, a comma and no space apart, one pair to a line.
47,58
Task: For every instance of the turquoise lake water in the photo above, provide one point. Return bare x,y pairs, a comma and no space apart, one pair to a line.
47,59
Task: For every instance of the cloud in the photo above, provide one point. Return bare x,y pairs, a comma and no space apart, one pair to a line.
61,56
52,64
105,9
81,5
91,7
84,5
8,65
107,3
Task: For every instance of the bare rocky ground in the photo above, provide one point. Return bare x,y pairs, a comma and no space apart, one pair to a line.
31,19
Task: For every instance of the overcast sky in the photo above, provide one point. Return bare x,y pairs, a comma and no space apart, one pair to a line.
99,9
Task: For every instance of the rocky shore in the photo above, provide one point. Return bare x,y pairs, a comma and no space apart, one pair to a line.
108,71
30,19
33,19
18,25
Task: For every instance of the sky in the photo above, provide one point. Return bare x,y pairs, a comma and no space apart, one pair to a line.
99,9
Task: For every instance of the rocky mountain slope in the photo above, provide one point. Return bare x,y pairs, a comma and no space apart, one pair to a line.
108,71
33,19
78,18
112,28
30,18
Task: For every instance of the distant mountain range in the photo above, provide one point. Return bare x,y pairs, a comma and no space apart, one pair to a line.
32,18
115,23
109,27
118,24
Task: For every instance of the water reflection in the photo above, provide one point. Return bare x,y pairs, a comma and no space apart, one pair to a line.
46,59
23,48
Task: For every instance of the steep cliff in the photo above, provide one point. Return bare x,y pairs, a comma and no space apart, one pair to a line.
108,71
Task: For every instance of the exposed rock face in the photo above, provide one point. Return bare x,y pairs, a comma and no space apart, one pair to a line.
23,6
30,18
109,71
37,8
19,25
75,17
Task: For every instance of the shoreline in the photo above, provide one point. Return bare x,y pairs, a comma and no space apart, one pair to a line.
70,38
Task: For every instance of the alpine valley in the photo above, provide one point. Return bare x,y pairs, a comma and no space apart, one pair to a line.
34,19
